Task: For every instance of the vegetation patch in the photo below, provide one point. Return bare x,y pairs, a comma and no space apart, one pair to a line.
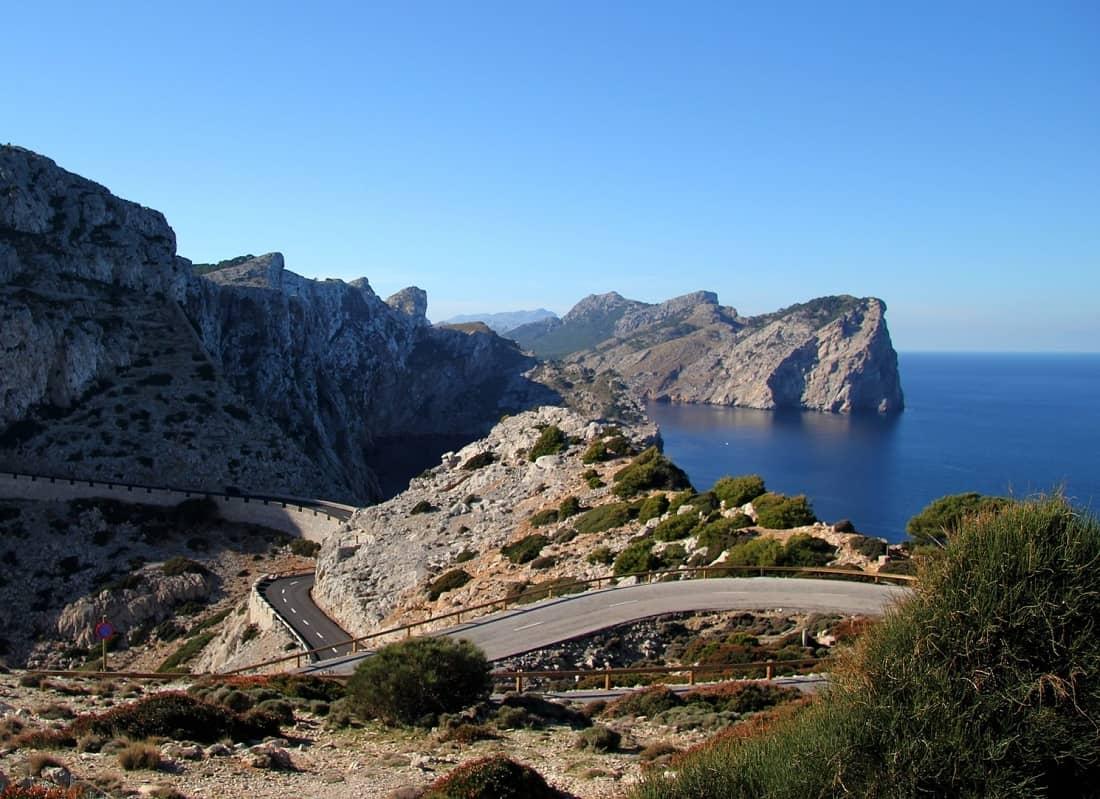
551,441
493,777
448,581
677,527
637,557
478,461
305,548
780,512
604,517
736,491
544,517
648,471
525,549
423,506
178,716
941,519
413,681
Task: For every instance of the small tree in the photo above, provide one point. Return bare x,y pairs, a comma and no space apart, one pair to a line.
736,491
941,519
413,681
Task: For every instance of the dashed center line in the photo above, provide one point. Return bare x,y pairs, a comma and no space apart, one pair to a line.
320,635
528,626
628,602
293,610
305,622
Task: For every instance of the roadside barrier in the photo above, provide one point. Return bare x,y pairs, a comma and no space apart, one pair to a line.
549,592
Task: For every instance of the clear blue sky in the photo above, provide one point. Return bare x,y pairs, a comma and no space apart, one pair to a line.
942,156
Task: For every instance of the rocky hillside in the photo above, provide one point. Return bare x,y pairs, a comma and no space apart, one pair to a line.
118,361
830,354
550,497
503,321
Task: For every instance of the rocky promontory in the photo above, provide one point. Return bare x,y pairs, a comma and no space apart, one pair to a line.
830,354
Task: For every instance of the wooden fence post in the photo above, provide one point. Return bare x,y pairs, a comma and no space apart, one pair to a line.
691,676
519,682
770,672
607,681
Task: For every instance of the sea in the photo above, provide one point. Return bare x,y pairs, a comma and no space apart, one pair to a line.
1006,424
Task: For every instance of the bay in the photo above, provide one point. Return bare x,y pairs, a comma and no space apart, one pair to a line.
1009,424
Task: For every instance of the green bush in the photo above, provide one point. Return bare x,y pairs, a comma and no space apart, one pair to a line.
603,517
177,716
721,534
598,739
868,547
637,557
653,507
543,562
544,517
940,519
478,461
558,586
605,449
305,548
551,441
736,491
649,470
188,651
676,527
423,506
780,512
954,693
493,777
570,506
448,581
525,549
646,702
757,552
413,681
601,556
806,550
178,565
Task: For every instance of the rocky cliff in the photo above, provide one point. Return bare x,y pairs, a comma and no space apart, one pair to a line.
829,354
118,361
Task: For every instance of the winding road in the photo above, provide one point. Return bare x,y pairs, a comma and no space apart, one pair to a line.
518,630
291,600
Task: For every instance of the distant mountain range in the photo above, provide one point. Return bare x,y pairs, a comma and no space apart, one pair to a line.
829,354
504,321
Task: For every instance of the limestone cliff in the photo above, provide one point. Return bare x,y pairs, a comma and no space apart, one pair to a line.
118,362
830,354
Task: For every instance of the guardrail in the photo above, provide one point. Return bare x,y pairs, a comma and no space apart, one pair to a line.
332,510
548,592
769,667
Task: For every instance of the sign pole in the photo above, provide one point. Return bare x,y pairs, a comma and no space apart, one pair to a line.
104,642
104,630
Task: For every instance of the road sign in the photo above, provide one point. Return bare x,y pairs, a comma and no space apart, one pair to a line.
104,630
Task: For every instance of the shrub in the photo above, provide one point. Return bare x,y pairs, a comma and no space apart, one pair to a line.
779,512
543,562
676,527
423,506
542,712
178,716
544,517
414,681
868,547
603,517
305,548
558,586
478,461
607,448
653,507
180,565
564,535
250,632
189,650
598,739
525,549
493,777
601,555
953,693
657,749
551,441
646,702
570,506
736,491
467,733
806,550
941,519
637,557
649,470
721,534
757,552
448,581
139,756
844,526
742,697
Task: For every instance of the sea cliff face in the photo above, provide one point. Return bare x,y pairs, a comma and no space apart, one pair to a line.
831,354
118,362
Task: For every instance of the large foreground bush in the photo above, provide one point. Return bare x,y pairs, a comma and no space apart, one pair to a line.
493,777
983,683
414,681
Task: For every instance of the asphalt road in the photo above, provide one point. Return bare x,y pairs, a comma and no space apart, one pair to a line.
291,598
516,631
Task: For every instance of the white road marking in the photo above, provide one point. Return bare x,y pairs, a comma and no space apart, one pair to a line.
284,590
320,635
628,602
292,610
528,626
293,582
285,599
305,621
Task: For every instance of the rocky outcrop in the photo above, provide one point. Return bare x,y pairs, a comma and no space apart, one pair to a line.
156,599
503,321
831,354
292,379
387,552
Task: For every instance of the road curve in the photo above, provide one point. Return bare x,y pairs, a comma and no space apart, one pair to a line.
520,630
290,596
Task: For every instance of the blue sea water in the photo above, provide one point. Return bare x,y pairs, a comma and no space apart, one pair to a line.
993,423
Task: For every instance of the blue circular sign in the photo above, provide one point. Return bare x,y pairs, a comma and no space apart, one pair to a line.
104,630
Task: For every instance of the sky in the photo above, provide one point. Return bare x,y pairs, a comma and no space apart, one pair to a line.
942,156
